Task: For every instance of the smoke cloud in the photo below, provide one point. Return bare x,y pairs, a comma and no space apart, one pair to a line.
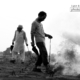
69,55
75,38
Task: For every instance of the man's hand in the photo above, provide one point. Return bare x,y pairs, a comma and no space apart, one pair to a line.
50,37
26,44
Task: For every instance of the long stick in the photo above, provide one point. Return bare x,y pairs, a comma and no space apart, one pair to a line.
28,48
49,50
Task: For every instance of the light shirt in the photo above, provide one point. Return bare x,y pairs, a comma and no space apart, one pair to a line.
19,39
38,31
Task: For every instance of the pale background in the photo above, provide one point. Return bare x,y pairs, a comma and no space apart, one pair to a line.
59,20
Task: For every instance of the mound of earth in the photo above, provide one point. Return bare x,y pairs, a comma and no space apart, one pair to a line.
7,69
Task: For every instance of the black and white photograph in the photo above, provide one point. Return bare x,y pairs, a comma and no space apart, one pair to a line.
39,39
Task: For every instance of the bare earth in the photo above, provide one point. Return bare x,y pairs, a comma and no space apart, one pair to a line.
17,71
9,71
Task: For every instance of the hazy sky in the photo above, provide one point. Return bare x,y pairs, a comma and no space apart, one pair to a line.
60,22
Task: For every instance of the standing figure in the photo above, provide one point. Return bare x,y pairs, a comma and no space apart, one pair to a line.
18,41
38,36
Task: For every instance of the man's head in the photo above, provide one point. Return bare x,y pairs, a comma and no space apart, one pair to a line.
42,15
19,28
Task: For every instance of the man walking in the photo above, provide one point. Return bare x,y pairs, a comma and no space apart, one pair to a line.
18,41
37,33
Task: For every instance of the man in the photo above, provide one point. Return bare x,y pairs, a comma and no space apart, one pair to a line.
37,33
18,41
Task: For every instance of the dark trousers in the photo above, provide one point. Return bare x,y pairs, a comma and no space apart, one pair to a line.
43,57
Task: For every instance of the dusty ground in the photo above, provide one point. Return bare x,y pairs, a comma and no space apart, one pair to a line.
9,71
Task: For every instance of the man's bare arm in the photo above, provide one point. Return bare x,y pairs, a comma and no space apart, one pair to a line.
47,35
33,30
